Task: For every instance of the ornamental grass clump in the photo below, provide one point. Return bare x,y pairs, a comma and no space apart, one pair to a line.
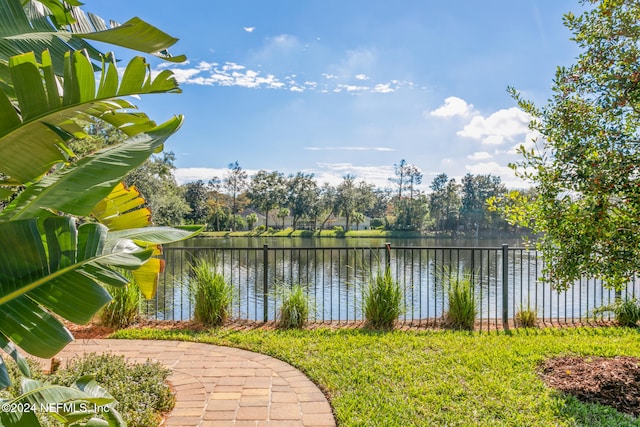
294,311
123,309
382,298
626,312
462,308
211,294
526,317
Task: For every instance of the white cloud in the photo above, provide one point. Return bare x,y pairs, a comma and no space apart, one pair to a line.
383,88
362,77
501,126
504,172
349,148
185,175
453,106
479,155
334,172
249,29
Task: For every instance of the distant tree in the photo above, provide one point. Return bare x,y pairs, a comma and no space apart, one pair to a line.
251,219
475,191
328,203
407,179
438,200
235,182
267,191
358,218
283,213
347,198
196,195
155,181
302,196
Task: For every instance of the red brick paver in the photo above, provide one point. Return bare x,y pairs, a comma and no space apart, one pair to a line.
222,386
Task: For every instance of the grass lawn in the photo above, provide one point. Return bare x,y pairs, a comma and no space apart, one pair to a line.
289,232
434,378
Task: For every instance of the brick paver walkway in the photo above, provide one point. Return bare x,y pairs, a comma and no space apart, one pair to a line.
222,386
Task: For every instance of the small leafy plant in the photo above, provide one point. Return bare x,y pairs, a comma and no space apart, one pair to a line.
211,293
526,317
462,309
382,298
294,311
626,312
123,309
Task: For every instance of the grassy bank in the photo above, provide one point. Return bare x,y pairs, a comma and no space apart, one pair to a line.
289,232
434,378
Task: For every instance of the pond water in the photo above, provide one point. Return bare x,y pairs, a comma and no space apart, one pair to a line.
335,271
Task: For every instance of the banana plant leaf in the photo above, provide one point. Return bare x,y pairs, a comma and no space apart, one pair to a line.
78,188
32,137
61,29
40,274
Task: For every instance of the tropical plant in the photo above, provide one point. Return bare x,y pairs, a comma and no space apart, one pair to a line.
211,294
69,224
382,298
294,310
626,312
462,307
584,167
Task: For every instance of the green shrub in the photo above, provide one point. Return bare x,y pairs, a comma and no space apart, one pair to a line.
526,317
462,309
141,390
382,297
123,309
294,311
626,312
211,293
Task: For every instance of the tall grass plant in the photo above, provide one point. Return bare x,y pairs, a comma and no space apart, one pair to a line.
211,293
124,308
382,301
462,307
294,311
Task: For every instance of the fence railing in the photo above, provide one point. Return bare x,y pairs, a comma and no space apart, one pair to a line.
505,280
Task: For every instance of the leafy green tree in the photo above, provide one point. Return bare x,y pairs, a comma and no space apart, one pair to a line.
328,203
283,213
475,191
302,196
438,200
585,167
358,218
156,182
251,219
266,192
347,198
197,195
235,182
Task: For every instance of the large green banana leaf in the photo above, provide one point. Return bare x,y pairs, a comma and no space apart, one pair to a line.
78,188
60,270
32,137
61,29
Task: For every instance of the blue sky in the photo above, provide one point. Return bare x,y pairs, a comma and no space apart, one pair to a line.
334,87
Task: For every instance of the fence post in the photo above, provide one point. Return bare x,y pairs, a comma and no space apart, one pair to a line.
265,282
387,257
505,286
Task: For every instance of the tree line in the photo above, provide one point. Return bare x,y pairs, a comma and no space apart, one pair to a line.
234,200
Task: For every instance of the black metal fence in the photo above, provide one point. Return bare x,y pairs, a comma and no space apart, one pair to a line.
505,280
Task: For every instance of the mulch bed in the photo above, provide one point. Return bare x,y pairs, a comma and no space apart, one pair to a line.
612,381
